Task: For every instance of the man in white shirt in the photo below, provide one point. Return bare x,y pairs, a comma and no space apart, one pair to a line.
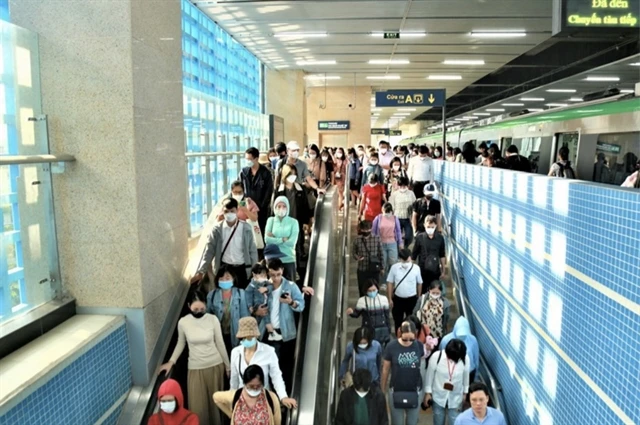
420,170
404,283
385,155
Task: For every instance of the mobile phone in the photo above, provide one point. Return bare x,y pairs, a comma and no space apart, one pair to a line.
284,295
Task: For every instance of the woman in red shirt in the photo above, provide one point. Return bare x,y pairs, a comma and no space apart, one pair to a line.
373,195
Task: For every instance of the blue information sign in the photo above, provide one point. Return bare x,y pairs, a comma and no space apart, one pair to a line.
418,97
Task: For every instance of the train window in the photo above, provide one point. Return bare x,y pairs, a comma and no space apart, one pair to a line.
616,157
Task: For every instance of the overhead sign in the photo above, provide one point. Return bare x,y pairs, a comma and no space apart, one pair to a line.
418,97
395,133
601,13
608,147
333,125
392,34
379,131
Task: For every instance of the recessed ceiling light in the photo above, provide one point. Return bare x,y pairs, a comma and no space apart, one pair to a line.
281,66
561,91
444,77
627,91
322,77
324,62
406,109
497,34
482,114
389,62
383,77
300,34
532,99
535,109
495,110
513,104
403,34
635,64
597,78
470,118
401,114
463,62
557,105
575,99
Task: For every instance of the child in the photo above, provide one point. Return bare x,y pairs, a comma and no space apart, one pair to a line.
258,292
374,309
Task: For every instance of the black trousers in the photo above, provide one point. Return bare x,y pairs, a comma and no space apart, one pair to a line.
241,275
285,352
418,189
428,276
402,308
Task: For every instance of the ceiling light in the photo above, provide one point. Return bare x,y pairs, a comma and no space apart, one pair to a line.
535,109
513,104
389,62
403,34
495,110
482,114
635,64
406,109
597,78
561,91
383,77
497,34
326,62
557,105
321,77
281,66
463,62
532,99
470,118
575,99
401,114
444,77
627,91
300,34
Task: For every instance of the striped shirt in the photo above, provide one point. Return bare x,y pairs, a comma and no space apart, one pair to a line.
402,203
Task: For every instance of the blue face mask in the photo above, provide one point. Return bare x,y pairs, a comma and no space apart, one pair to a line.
225,284
372,294
248,343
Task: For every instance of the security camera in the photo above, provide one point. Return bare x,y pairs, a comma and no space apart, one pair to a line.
322,105
351,106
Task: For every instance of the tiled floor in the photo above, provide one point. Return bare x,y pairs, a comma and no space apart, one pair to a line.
353,324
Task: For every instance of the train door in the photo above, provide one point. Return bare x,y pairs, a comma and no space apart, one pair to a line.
504,143
570,141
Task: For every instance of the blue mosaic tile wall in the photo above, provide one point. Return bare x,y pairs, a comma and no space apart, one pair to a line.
83,391
552,272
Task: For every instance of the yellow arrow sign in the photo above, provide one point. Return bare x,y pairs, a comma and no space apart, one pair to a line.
431,99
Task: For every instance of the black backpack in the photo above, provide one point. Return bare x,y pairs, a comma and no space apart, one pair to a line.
565,171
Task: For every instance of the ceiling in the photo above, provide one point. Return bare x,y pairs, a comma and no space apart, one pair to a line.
431,31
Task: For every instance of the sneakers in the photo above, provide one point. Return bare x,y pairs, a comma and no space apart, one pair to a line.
275,336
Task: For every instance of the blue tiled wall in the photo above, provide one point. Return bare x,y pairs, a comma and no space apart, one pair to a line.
552,272
82,392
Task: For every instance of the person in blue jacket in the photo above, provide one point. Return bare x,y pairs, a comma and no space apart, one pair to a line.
228,303
364,352
282,231
462,331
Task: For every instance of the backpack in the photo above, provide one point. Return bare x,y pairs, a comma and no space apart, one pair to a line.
238,393
565,171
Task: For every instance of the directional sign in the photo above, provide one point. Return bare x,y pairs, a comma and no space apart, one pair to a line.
333,125
379,131
392,34
418,97
395,133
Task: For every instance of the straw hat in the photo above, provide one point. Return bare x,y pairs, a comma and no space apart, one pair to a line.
247,328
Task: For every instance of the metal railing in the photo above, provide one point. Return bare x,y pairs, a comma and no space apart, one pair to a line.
35,159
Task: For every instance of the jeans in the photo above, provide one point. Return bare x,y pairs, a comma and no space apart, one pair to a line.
289,271
407,228
389,256
398,415
439,414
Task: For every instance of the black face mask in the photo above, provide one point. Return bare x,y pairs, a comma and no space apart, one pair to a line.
198,315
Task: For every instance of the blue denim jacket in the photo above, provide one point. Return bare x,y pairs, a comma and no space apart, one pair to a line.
239,308
287,320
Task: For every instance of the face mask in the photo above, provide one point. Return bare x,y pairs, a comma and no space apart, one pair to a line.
291,179
249,163
373,184
253,393
325,158
238,197
198,314
405,265
225,284
434,297
396,167
273,159
388,214
168,406
281,212
339,155
313,156
430,231
230,216
360,153
363,346
248,343
383,151
373,162
260,279
295,154
372,294
362,394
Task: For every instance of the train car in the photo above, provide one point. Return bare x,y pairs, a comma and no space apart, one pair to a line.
603,137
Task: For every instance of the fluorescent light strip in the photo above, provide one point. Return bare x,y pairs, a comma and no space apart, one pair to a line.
444,77
497,34
322,77
635,64
407,109
627,91
326,62
403,34
535,109
470,118
561,91
532,99
596,78
495,110
575,99
383,77
463,62
281,66
513,104
482,114
300,34
401,114
389,62
557,105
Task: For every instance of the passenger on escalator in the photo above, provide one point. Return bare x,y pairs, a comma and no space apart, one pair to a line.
257,295
257,182
251,405
253,352
283,231
462,331
172,411
385,155
208,360
373,196
228,303
364,352
420,170
387,227
355,175
402,358
447,382
402,201
340,173
424,207
374,309
433,309
362,403
367,250
480,412
429,252
396,172
318,168
404,284
372,168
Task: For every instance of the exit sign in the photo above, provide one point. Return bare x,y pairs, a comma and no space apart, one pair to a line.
392,34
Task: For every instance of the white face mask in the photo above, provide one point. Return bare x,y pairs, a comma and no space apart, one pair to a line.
249,163
362,394
373,162
168,406
325,158
230,216
396,167
434,296
436,154
387,214
253,393
292,179
281,212
295,154
405,265
339,155
363,346
238,197
273,158
313,156
373,184
430,230
383,151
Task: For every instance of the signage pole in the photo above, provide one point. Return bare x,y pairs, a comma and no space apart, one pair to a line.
444,129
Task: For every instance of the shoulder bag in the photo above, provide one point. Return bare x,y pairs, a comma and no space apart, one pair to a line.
348,377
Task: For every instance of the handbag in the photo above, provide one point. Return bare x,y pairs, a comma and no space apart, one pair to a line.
348,377
257,234
405,399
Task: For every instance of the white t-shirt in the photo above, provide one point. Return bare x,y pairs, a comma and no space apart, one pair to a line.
275,307
408,286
